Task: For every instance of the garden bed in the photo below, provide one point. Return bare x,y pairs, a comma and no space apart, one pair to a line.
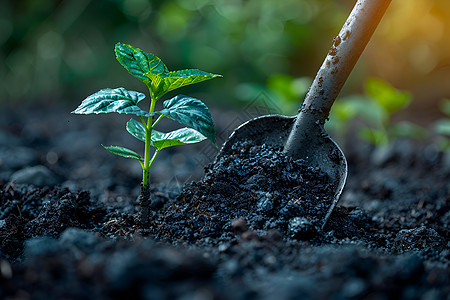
246,227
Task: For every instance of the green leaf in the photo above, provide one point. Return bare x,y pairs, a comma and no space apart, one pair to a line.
442,127
374,136
443,144
121,151
191,112
162,140
163,83
288,89
153,72
112,100
385,95
444,106
408,130
138,62
359,106
136,129
180,136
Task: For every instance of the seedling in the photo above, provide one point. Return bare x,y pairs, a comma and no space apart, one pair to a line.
376,109
159,80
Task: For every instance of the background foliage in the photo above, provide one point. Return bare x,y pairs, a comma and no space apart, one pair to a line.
55,51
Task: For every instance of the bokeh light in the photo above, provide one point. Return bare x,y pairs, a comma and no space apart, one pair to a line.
411,50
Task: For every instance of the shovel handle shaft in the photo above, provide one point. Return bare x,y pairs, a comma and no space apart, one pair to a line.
343,55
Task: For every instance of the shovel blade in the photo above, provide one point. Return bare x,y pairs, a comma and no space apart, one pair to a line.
269,129
318,150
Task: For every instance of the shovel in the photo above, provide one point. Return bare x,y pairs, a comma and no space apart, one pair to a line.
303,136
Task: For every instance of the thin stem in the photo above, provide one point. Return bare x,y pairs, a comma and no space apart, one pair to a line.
143,121
145,168
154,156
148,137
157,120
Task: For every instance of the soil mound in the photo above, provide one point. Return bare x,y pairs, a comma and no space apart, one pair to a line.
259,184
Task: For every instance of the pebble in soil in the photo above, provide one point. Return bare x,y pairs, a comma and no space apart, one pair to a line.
260,184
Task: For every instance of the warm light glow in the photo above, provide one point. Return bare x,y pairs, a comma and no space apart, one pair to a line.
411,48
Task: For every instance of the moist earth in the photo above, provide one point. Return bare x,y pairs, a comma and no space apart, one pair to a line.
258,187
250,227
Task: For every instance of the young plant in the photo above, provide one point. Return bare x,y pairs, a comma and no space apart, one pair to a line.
375,109
159,80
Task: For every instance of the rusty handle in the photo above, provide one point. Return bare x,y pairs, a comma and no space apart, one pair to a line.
342,57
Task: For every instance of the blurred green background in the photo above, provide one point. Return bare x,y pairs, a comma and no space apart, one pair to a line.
62,51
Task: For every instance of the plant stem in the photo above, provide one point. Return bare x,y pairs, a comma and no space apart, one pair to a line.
153,157
148,135
144,197
157,120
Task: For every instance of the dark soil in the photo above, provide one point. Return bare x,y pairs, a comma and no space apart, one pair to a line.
249,228
258,184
